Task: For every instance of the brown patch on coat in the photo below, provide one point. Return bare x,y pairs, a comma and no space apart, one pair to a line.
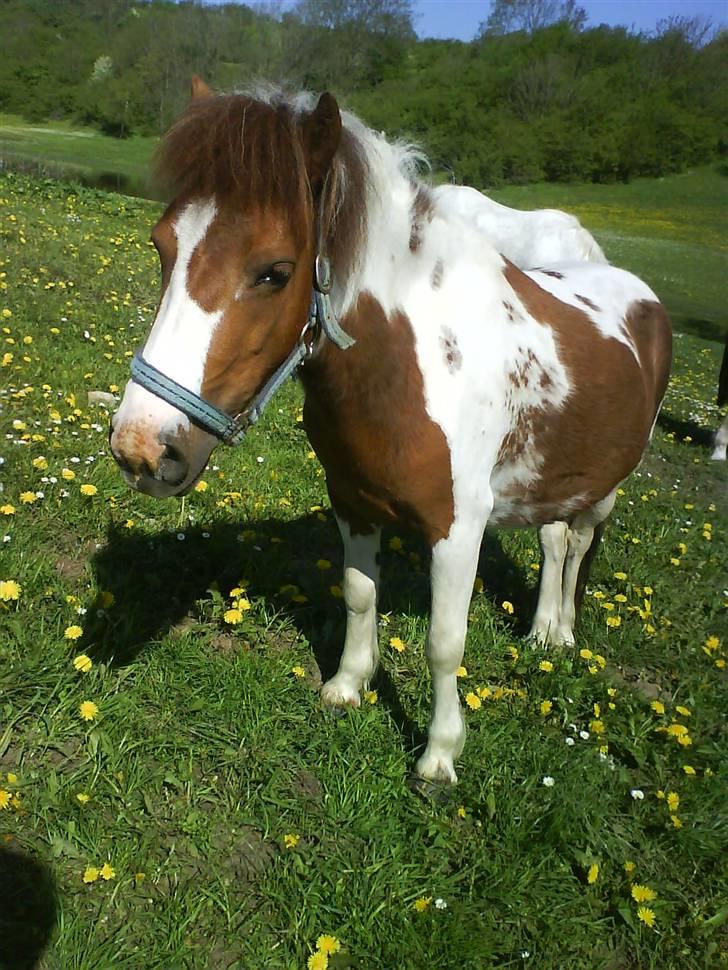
451,352
437,274
385,459
551,272
587,302
597,437
421,215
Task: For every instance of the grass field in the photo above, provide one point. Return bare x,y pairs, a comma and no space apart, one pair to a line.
74,151
205,813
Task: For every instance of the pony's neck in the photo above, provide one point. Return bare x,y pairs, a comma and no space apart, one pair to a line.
381,197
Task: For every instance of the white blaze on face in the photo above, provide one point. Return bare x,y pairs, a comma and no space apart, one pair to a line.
182,332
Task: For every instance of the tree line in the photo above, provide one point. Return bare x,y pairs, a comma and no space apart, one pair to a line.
534,96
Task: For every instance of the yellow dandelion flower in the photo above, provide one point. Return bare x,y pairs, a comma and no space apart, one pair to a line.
88,489
106,872
478,585
620,575
396,544
323,565
5,797
485,692
12,778
27,498
659,794
291,840
677,730
658,707
83,663
673,801
586,654
712,643
596,727
688,769
243,604
601,661
10,590
593,873
421,904
370,696
676,821
685,711
461,811
545,708
508,607
88,710
336,591
7,510
201,486
473,701
614,621
318,961
643,894
397,644
646,915
328,944
82,797
629,867
73,632
91,874
67,475
232,616
720,664
513,654
40,463
461,672
298,671
546,666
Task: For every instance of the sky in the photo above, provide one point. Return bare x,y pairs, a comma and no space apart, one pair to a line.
460,19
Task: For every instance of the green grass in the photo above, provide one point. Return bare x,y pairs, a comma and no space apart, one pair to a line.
77,152
208,749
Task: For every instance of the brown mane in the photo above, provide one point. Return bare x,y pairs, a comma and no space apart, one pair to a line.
249,152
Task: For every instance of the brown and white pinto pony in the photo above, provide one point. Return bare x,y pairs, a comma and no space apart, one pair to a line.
475,393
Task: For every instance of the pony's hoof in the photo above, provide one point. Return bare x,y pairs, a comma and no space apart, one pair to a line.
337,697
435,792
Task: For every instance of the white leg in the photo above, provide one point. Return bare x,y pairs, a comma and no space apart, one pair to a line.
579,538
720,442
454,563
553,548
361,651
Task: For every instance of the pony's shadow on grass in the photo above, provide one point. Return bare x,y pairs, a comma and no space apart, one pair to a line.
162,581
29,909
682,429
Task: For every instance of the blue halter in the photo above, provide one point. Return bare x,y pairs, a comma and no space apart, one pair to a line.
231,429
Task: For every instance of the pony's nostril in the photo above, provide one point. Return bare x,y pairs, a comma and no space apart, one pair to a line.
173,466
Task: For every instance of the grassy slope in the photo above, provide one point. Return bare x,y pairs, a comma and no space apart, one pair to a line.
76,150
208,748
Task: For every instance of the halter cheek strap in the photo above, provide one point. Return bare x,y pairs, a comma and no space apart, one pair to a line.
231,430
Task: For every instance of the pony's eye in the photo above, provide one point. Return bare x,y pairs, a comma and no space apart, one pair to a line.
275,276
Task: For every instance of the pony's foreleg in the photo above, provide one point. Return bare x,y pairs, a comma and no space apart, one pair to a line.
454,563
548,611
720,442
579,539
361,651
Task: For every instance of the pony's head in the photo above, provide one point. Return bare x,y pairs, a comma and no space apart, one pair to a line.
237,247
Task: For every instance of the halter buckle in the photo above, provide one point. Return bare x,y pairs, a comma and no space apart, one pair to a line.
322,274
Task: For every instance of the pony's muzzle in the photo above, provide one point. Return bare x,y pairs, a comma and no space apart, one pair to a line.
151,462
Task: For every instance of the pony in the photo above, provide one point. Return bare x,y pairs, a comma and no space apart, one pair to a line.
445,389
720,442
528,239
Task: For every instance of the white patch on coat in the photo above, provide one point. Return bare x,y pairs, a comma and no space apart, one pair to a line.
182,332
528,238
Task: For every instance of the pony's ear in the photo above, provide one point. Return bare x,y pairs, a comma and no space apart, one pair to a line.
198,88
321,136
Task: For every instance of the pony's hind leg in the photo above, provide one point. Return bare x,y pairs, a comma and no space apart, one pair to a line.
361,651
553,539
583,536
452,572
720,442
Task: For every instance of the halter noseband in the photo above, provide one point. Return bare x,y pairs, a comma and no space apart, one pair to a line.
321,322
